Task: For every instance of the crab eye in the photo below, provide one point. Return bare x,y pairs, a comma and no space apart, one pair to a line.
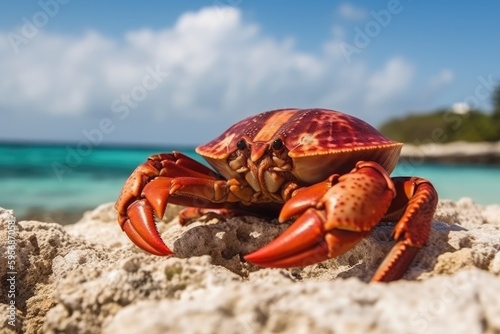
241,145
277,144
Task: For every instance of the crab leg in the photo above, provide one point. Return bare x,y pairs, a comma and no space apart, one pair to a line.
334,216
178,179
412,209
146,194
337,218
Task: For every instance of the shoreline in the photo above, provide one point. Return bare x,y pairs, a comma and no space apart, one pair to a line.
485,153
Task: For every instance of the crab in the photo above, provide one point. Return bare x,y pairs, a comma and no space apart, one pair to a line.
327,170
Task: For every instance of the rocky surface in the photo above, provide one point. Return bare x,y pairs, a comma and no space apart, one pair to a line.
89,278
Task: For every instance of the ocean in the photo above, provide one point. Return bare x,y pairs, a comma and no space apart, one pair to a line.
59,182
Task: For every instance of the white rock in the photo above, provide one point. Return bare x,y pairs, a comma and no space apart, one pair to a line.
89,278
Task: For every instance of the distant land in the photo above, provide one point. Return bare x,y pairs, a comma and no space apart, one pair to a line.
444,126
461,122
447,136
459,134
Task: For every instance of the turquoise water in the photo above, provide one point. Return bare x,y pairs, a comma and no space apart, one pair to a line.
38,179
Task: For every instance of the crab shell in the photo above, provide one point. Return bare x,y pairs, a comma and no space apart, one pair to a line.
319,142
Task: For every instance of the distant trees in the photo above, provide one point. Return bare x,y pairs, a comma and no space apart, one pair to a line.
496,102
446,125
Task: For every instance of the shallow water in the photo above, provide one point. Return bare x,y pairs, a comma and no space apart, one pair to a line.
63,179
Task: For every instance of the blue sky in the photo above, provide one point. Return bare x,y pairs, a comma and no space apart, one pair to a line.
179,72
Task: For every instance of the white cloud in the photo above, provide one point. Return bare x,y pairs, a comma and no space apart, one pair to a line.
389,82
220,69
436,85
352,13
441,79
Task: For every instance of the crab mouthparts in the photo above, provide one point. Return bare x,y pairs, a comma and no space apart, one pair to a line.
258,149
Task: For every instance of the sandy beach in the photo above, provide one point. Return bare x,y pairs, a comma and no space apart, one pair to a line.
89,278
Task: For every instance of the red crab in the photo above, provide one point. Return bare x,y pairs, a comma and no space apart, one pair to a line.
328,169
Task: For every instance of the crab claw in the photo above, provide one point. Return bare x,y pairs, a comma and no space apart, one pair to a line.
139,220
305,242
150,188
334,216
140,227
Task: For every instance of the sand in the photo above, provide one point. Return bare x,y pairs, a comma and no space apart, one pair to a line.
89,278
